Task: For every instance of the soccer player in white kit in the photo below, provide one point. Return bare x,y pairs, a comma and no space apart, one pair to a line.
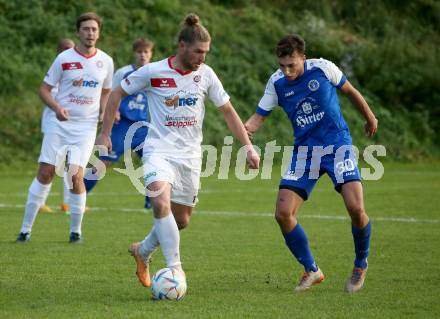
84,78
49,115
176,88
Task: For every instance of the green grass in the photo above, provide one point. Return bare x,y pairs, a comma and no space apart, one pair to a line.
236,263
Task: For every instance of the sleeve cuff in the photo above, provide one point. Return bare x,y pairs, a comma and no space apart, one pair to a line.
48,82
262,112
225,100
342,81
123,84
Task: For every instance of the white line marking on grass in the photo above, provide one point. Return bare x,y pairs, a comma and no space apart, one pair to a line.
245,214
134,193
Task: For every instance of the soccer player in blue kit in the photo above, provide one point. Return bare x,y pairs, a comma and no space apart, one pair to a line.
132,109
306,90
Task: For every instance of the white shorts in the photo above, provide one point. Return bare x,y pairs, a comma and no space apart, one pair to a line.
182,174
76,147
47,119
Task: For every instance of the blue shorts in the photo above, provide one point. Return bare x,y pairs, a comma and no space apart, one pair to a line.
119,132
305,170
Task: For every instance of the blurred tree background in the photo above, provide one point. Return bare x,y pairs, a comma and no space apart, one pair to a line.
388,49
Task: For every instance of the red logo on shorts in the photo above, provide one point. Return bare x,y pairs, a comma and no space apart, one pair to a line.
71,66
163,83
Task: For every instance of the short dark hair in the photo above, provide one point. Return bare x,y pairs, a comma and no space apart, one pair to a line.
142,43
65,44
88,16
192,30
291,44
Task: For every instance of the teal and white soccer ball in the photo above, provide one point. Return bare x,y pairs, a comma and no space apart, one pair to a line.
168,284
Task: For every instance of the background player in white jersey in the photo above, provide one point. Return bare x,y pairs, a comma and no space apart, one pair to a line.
84,77
49,116
133,109
176,90
306,90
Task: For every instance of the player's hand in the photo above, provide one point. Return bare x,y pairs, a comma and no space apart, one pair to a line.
104,139
62,114
117,116
252,157
248,131
371,127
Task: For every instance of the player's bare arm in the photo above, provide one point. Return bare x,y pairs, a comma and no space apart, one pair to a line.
105,94
109,117
237,128
254,123
45,94
358,100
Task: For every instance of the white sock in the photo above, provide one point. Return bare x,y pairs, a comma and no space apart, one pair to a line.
36,198
66,189
77,204
169,238
149,244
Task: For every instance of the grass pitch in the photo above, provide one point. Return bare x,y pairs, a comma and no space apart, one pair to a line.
234,256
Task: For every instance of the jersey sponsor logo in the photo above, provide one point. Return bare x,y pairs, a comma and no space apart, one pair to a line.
177,101
305,115
85,83
80,99
188,100
138,103
71,66
302,121
313,85
180,121
307,108
163,83
99,64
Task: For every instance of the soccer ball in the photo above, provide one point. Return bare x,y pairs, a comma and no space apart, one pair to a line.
168,284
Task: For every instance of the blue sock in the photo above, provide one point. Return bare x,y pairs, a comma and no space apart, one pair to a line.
90,183
298,244
361,238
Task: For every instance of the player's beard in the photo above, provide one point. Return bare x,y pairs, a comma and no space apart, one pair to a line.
89,43
188,66
186,63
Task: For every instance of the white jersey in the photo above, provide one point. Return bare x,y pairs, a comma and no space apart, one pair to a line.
80,80
119,74
176,105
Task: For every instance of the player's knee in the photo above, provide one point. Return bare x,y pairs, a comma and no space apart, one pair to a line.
182,222
283,216
77,181
356,211
161,205
46,174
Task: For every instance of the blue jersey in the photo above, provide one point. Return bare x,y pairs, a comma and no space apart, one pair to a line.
310,102
133,107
